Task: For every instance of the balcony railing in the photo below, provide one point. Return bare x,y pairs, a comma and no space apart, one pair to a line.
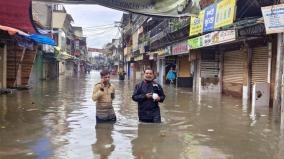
159,31
139,22
177,24
128,28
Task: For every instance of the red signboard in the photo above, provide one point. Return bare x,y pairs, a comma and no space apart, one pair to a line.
17,14
180,48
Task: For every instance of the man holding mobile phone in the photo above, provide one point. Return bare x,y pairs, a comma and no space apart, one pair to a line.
148,94
104,94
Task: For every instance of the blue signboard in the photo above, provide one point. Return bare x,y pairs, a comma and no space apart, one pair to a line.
209,18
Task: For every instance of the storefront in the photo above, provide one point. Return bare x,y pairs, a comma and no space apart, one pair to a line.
208,65
184,76
161,63
233,72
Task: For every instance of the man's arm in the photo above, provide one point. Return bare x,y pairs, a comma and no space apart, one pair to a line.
137,96
97,92
161,94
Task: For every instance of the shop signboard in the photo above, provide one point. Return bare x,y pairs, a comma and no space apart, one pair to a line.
214,16
195,43
225,13
180,48
209,18
196,24
214,38
273,18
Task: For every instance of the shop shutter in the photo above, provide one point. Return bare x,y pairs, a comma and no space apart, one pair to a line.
184,67
209,66
259,64
233,67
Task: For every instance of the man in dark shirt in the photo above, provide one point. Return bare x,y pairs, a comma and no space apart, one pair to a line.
148,94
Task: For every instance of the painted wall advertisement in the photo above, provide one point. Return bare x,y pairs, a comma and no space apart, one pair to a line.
214,38
214,16
273,18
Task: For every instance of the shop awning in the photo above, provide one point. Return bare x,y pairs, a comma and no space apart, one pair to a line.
62,55
17,14
12,31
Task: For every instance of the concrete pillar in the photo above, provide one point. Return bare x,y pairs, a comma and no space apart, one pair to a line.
247,74
282,82
278,77
221,66
4,82
19,71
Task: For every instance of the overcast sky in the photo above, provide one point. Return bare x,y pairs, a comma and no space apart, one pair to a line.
97,22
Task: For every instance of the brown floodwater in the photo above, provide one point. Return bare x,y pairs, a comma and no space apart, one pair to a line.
56,120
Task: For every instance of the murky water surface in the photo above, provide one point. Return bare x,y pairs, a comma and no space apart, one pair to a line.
56,120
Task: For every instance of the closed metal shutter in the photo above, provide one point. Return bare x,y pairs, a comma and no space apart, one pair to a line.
259,64
233,67
209,66
184,67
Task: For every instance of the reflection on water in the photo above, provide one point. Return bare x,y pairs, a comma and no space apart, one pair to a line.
56,119
104,144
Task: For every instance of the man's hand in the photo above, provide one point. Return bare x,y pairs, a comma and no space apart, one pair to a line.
149,95
158,99
102,85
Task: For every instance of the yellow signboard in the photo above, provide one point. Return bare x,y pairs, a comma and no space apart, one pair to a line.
196,24
225,13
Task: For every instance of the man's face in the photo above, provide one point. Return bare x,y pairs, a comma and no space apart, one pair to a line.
106,79
148,75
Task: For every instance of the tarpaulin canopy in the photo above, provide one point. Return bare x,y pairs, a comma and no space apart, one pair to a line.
12,31
170,8
17,14
42,39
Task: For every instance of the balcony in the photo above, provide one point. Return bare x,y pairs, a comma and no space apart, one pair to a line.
128,29
139,22
159,31
178,24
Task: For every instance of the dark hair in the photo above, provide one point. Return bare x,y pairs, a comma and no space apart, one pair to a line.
104,73
149,68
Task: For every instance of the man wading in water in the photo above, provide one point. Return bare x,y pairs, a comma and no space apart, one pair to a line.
148,94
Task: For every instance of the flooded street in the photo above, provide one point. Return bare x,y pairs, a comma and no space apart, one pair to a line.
56,120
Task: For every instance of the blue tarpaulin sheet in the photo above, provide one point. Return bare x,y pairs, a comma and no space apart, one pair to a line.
42,39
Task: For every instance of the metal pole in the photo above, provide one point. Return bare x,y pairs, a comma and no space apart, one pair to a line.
282,83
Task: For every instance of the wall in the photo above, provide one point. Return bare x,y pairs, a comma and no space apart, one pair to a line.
37,70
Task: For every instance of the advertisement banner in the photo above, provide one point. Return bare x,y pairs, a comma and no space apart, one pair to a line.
196,24
273,18
225,13
214,16
195,43
209,18
214,38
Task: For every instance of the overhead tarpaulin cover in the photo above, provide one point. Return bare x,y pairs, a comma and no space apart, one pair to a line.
170,8
17,14
12,31
42,39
